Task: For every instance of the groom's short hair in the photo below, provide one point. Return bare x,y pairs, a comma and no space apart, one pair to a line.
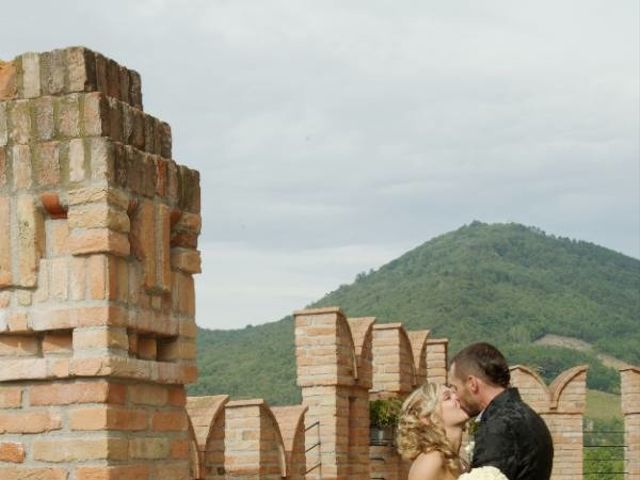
485,361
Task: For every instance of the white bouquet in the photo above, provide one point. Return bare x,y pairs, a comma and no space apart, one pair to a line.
483,473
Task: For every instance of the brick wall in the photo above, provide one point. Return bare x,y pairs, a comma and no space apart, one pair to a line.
334,373
630,390
437,363
561,405
98,245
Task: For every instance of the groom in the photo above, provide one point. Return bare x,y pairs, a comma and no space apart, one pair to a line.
510,435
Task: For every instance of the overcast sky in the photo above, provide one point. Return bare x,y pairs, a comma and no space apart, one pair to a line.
332,136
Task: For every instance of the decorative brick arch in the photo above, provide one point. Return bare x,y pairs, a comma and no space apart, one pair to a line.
418,339
254,446
362,334
394,367
208,420
562,406
291,422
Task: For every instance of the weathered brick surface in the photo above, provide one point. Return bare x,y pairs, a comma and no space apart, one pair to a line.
437,363
630,393
254,447
394,368
96,343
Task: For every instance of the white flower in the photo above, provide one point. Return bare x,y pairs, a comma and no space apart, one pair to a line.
483,473
468,450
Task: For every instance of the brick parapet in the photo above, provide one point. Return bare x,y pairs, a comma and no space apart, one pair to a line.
333,363
436,360
253,443
393,363
562,405
630,397
325,351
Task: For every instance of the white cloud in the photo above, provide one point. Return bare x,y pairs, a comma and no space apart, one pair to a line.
320,125
246,285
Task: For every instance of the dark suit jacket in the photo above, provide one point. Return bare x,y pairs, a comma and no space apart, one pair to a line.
513,438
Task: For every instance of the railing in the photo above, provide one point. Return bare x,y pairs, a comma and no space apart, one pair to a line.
604,455
315,446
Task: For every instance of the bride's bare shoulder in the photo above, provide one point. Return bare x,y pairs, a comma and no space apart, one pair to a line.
427,466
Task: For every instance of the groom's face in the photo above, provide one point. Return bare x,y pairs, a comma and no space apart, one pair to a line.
464,389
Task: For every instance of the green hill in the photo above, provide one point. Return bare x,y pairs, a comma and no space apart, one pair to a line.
504,283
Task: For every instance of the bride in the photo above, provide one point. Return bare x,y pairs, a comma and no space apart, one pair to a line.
430,433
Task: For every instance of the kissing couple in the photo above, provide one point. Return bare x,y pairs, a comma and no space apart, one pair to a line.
510,440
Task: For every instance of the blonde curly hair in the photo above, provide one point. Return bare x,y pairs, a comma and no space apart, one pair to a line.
421,430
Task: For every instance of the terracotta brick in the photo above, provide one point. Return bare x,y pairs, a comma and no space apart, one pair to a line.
68,116
143,243
4,164
60,343
102,159
99,215
5,242
79,71
24,298
163,240
97,277
93,114
99,194
78,271
148,394
71,450
20,473
10,397
147,348
98,240
133,472
57,237
30,75
20,121
149,448
8,86
59,279
30,240
108,418
101,72
48,163
180,449
186,260
77,162
18,345
44,118
169,422
80,392
179,471
29,422
11,452
22,172
100,337
52,67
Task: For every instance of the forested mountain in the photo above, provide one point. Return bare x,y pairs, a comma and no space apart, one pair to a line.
504,283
